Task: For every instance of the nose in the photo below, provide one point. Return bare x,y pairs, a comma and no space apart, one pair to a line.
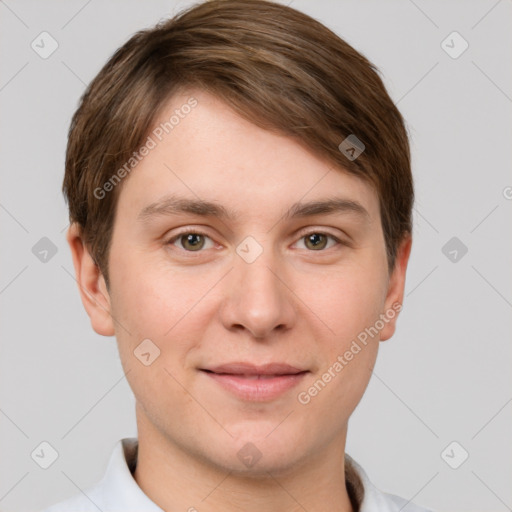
258,298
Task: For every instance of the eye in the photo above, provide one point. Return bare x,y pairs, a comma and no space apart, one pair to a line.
194,241
317,240
191,241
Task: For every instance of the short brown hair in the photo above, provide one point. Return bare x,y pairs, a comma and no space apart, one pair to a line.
276,67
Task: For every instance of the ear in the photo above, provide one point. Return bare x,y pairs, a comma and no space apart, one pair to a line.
396,286
91,284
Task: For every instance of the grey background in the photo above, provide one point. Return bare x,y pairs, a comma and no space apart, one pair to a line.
445,376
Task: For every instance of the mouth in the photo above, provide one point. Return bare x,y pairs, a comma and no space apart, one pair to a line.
256,383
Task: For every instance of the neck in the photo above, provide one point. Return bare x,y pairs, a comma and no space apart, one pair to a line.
176,479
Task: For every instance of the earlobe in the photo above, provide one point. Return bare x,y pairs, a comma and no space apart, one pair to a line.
91,284
396,287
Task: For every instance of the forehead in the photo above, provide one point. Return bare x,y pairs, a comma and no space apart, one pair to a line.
210,152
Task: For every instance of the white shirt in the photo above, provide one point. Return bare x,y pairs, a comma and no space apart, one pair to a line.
118,491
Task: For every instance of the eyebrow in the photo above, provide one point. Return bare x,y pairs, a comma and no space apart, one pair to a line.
174,205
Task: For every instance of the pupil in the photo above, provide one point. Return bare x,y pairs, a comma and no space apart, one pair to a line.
315,239
193,240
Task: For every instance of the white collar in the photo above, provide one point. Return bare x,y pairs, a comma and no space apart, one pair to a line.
118,491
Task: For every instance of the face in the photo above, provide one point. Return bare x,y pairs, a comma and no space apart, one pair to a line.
265,278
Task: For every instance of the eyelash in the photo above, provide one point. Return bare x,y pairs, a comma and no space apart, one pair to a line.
303,235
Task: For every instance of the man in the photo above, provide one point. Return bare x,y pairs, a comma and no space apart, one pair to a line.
240,200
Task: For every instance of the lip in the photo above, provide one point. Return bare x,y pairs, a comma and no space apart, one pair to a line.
257,383
243,368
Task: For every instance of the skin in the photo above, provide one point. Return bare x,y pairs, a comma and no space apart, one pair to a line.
295,303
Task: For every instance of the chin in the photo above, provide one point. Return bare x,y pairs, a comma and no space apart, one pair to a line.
263,449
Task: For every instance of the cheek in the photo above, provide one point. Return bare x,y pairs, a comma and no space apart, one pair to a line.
163,306
351,305
154,305
152,298
347,355
347,302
